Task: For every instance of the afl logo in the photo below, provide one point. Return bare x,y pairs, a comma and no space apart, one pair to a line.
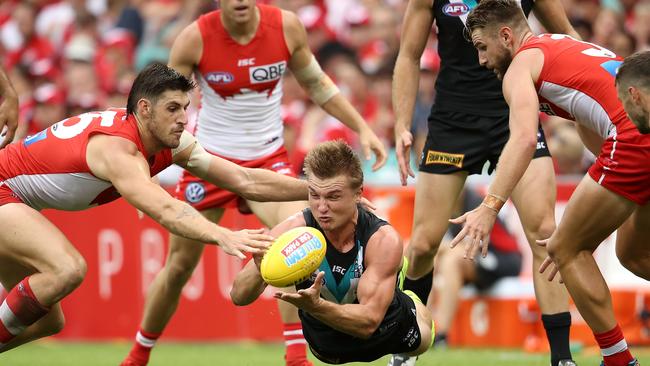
455,9
219,77
194,192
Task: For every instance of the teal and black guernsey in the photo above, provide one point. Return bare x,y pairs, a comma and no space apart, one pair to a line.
342,274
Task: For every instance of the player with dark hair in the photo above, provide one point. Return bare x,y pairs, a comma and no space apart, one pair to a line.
95,158
633,86
351,308
239,55
468,127
574,80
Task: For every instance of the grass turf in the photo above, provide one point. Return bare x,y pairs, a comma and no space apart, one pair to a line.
54,353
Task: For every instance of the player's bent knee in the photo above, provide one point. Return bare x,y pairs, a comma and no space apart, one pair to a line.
178,273
542,229
55,324
637,264
70,274
422,248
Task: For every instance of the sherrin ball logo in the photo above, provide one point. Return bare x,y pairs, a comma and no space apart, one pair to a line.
293,257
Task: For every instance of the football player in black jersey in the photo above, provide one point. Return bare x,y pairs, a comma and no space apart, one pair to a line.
468,128
352,308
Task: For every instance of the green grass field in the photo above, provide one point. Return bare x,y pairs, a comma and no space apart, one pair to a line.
53,353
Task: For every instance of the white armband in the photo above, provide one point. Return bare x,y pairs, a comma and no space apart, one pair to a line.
319,86
199,159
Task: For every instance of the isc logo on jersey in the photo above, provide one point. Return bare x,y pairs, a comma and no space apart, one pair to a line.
455,9
266,73
219,77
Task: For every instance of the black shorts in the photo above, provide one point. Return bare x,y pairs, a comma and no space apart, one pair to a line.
398,333
460,141
496,265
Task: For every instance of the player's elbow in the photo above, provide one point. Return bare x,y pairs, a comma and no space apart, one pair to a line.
369,328
526,142
245,185
237,298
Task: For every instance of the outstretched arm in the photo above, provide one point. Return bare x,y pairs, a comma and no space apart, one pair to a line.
415,33
8,109
118,161
521,95
553,17
322,90
253,184
375,291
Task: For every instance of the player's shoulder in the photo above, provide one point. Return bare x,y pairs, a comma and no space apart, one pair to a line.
291,22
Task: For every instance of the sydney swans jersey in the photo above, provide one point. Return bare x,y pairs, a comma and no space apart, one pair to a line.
241,87
463,84
577,83
49,169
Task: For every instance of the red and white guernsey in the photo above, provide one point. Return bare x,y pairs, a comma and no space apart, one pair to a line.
577,82
241,87
49,169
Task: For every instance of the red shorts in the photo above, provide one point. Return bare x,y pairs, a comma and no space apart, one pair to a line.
203,195
623,165
8,196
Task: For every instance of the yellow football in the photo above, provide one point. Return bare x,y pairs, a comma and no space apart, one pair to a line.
293,256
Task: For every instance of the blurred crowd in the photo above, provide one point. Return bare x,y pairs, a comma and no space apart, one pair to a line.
66,57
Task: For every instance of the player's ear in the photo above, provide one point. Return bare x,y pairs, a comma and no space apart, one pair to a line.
634,94
144,107
505,34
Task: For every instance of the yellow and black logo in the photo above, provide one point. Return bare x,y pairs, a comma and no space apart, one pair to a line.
439,157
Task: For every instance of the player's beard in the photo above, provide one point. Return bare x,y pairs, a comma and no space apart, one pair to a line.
642,121
162,133
502,62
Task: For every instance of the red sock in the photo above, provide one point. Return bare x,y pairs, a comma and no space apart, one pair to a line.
19,310
613,347
296,346
144,342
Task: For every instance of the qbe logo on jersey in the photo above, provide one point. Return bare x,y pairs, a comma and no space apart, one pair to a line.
265,73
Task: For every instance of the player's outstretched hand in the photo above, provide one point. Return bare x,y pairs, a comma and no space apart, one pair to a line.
403,143
254,241
370,142
8,120
548,262
477,225
306,299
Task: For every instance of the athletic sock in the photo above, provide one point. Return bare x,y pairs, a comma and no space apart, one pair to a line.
295,343
557,328
19,310
144,342
613,347
421,286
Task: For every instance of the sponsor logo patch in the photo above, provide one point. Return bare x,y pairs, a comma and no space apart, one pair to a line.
266,73
219,77
439,157
194,192
455,9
